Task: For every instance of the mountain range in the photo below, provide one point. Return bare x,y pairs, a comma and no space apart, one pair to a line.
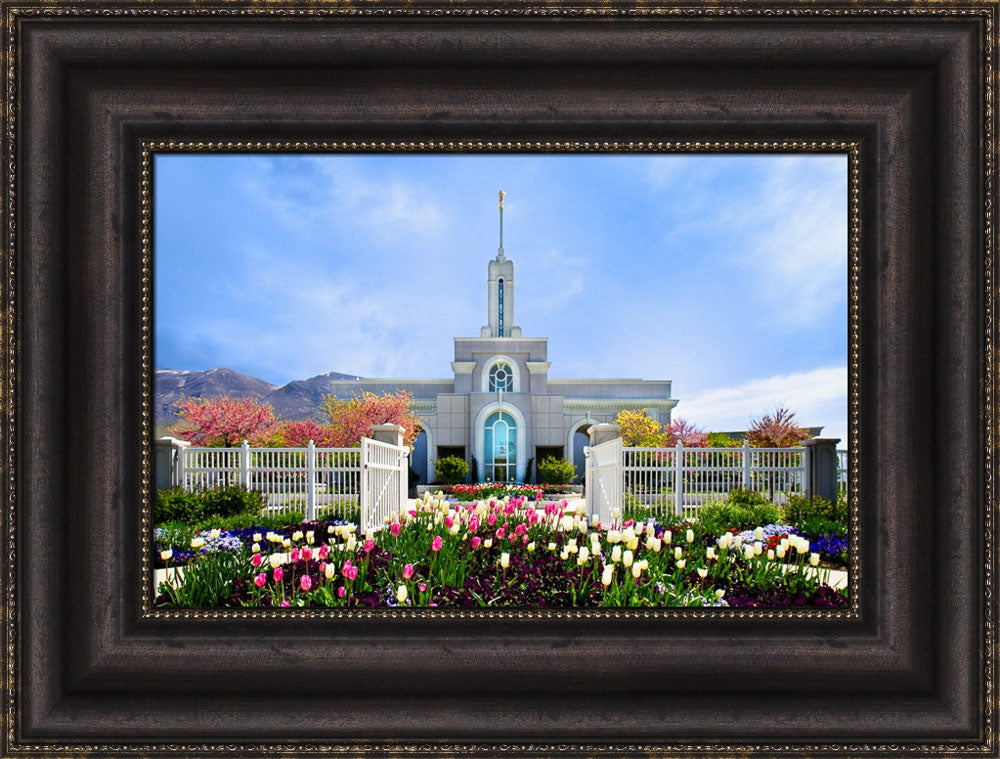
299,399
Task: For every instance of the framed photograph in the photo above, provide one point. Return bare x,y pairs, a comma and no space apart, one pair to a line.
289,468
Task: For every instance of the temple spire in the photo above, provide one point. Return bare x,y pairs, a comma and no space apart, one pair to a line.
500,253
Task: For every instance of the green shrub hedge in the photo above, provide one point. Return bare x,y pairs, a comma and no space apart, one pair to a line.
451,469
556,471
194,507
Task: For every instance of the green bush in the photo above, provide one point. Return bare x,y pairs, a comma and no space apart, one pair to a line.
556,471
801,509
814,527
177,505
744,512
450,469
231,500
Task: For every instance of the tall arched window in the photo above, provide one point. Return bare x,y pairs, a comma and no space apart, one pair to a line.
501,378
500,446
500,307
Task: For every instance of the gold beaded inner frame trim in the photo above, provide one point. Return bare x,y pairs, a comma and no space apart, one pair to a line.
458,147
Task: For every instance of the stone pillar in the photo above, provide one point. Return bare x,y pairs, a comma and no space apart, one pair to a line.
602,433
166,473
388,433
822,467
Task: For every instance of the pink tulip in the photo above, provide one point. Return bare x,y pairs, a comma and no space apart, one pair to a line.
436,543
448,522
477,541
305,582
283,603
500,534
520,529
256,560
525,539
322,567
351,573
347,565
341,591
324,551
369,545
491,520
394,529
407,571
473,524
306,554
422,586
492,504
260,580
278,574
295,555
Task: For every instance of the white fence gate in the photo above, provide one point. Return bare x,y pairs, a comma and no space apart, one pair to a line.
384,481
603,478
366,483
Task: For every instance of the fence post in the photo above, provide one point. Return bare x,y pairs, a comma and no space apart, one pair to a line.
746,464
310,481
588,489
822,452
679,479
245,464
807,452
363,490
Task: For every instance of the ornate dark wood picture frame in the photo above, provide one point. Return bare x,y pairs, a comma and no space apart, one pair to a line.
92,87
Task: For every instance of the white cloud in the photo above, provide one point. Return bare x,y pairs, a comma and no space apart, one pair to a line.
818,398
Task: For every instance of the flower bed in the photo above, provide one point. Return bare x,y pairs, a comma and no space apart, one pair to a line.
484,490
497,553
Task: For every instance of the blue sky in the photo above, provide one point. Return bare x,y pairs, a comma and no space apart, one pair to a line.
726,274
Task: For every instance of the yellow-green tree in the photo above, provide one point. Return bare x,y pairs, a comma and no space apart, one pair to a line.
637,429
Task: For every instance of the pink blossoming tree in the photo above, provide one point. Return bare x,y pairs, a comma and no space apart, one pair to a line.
353,419
225,421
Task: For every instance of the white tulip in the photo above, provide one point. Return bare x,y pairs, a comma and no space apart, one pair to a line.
564,554
770,554
780,551
276,560
505,560
720,593
616,554
636,571
702,572
614,536
814,559
255,548
488,543
214,534
329,571
758,548
401,593
453,530
197,542
678,552
166,555
256,537
682,563
651,529
608,574
738,541
297,535
551,546
689,536
627,558
584,555
668,536
710,552
531,547
748,551
616,513
758,533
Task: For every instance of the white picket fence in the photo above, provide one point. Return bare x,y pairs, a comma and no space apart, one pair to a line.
369,482
680,480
